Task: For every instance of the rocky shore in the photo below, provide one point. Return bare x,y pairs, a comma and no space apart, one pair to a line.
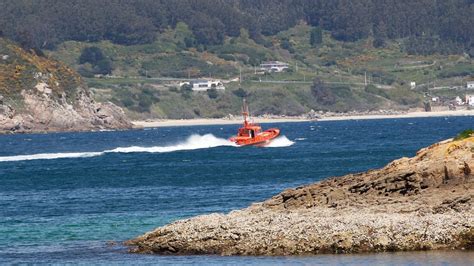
419,203
41,112
38,94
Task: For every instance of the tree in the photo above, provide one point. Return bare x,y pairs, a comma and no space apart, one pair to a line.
212,93
91,55
240,93
50,22
286,44
316,36
25,39
94,56
244,35
103,67
380,35
184,35
322,93
207,29
186,90
471,52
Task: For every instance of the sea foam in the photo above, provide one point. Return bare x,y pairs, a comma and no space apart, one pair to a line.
194,142
280,142
49,156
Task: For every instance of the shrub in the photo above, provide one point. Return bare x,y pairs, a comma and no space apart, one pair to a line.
173,89
144,103
103,67
240,93
378,43
85,72
286,44
91,55
94,56
374,90
186,88
316,36
457,71
127,102
227,57
186,91
465,134
322,93
212,93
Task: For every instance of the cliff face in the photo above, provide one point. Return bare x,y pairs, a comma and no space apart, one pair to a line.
39,94
419,203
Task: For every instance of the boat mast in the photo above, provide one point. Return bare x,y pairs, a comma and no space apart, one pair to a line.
245,112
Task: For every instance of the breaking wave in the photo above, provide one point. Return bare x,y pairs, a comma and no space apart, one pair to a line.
280,142
194,142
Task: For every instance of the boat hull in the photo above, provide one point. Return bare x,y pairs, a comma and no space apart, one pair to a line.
259,140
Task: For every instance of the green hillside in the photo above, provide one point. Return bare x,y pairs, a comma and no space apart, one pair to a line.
344,55
145,77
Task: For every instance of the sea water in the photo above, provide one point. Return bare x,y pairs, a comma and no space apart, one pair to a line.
74,197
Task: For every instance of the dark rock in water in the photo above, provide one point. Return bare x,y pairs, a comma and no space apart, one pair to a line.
40,94
419,203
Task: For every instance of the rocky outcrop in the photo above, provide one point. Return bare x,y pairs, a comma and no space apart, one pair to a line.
419,203
43,113
39,94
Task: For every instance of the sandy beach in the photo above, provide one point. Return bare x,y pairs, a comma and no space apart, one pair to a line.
405,115
263,120
210,121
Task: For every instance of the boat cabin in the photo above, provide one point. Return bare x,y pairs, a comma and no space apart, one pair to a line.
249,131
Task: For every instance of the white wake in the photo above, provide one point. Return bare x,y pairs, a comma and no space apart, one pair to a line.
194,142
49,156
281,141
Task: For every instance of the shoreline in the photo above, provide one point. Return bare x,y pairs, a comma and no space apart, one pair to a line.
264,120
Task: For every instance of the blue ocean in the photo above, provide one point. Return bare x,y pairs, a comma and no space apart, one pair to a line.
74,197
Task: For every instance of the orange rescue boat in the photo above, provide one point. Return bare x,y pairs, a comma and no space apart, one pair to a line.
252,134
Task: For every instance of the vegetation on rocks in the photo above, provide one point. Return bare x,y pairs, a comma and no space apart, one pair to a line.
40,94
465,134
466,239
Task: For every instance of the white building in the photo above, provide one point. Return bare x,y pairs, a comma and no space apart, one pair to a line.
470,85
413,85
204,84
459,101
274,66
470,100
